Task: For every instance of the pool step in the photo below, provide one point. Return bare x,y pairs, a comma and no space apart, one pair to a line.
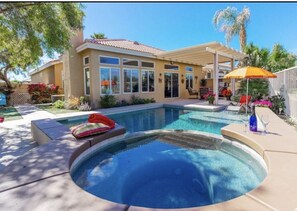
191,142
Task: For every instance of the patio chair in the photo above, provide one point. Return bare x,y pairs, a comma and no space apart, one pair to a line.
193,92
242,102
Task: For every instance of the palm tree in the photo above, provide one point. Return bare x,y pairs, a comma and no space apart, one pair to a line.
233,23
98,36
257,57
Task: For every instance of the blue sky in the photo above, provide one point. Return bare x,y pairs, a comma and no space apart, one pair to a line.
175,25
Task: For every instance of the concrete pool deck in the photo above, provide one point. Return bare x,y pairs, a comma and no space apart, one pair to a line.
40,180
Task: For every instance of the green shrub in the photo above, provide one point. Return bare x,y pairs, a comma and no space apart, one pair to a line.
122,103
278,103
84,99
108,101
137,100
72,103
235,98
59,104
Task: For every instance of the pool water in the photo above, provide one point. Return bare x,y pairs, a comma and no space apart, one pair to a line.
170,118
168,171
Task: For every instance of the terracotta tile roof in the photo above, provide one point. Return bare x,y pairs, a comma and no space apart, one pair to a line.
126,44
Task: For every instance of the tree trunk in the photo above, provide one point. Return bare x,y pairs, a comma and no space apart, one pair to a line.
3,76
242,38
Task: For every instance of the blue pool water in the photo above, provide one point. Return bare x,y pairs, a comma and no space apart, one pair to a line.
168,171
170,118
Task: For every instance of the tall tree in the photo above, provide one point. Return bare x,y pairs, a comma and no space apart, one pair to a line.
232,22
28,30
98,36
281,59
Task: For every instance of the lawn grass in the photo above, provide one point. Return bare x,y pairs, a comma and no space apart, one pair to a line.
9,113
53,110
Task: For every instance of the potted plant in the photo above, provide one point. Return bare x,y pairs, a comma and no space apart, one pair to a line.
210,97
227,93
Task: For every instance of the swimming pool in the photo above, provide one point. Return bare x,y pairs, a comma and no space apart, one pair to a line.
169,169
170,118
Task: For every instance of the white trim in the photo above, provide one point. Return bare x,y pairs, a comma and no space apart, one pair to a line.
110,80
130,65
113,49
85,92
110,57
148,70
130,81
171,69
84,62
148,62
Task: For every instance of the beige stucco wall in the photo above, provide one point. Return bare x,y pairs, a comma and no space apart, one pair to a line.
46,76
73,69
50,75
58,76
158,95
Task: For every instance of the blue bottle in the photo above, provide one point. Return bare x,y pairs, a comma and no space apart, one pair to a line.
253,120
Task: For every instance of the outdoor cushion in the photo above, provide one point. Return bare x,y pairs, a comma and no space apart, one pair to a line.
99,118
88,129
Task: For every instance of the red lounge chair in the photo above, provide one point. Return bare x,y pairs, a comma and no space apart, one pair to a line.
242,102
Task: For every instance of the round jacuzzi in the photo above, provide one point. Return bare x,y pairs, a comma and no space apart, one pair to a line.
168,169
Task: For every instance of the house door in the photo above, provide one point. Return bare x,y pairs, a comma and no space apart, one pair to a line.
171,85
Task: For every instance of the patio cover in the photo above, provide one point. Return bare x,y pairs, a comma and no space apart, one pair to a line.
202,54
205,54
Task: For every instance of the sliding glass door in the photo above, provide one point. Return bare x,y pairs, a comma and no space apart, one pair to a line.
171,85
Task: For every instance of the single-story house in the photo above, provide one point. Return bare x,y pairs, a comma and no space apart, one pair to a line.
119,67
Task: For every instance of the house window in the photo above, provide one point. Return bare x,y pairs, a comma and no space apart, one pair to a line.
109,60
86,60
131,81
147,64
130,62
189,80
208,75
188,68
148,80
87,80
109,80
171,67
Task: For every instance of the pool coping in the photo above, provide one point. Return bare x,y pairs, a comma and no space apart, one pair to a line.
41,180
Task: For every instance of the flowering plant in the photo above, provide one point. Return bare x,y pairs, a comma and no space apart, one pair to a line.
41,93
227,93
210,97
263,103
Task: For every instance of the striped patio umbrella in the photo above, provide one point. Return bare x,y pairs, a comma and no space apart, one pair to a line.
247,73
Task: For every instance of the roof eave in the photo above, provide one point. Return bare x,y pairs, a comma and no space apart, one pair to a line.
86,45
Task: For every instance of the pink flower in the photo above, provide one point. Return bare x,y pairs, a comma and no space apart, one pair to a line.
263,103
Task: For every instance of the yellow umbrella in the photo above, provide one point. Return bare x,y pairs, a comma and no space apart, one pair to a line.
249,72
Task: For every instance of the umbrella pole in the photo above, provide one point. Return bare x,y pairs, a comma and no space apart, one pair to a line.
246,97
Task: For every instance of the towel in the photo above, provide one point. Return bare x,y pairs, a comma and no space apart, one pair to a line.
99,118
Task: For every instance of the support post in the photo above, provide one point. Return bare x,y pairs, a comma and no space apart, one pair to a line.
232,79
215,78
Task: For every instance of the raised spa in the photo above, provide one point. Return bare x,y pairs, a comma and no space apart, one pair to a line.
169,169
